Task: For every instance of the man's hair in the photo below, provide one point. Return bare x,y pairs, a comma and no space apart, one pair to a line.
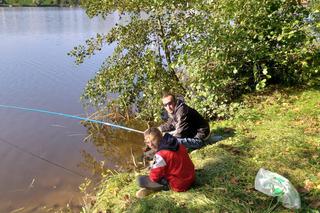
153,133
166,94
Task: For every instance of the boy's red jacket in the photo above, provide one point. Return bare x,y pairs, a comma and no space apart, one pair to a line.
173,163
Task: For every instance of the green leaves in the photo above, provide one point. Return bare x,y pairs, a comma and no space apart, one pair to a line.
92,45
211,53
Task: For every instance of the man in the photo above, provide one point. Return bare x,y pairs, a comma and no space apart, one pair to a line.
172,167
185,123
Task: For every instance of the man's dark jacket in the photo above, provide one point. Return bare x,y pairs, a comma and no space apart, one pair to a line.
186,123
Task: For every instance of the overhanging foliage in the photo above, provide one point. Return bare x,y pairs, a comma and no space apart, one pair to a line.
209,51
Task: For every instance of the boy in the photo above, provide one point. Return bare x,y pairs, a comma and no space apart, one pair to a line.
172,166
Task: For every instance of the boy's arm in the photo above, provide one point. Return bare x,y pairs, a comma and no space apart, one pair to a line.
158,168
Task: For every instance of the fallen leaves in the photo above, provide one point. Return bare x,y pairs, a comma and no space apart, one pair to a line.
234,180
312,130
310,124
231,149
309,185
258,123
228,130
297,109
302,190
315,204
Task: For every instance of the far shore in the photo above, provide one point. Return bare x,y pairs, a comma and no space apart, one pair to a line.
53,5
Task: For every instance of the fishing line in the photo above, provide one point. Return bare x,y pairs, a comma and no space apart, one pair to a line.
41,158
64,115
70,116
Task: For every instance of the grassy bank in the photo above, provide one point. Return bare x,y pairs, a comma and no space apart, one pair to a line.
277,130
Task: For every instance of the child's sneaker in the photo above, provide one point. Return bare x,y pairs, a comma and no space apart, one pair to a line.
143,193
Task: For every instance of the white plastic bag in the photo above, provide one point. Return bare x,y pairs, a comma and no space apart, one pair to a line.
275,185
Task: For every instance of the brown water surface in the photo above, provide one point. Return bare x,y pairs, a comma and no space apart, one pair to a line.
44,157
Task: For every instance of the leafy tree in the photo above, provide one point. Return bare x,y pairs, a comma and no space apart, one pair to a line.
37,2
247,45
209,51
141,65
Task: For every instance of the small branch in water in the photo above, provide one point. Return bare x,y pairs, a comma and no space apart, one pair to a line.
134,161
32,183
17,210
57,125
87,138
76,134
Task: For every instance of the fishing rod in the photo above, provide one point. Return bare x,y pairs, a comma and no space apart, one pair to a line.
70,116
59,114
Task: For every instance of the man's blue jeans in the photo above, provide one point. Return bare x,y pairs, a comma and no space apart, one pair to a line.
191,143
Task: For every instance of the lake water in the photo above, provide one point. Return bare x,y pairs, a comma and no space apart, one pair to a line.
36,72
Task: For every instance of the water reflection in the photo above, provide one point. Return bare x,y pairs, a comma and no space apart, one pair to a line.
118,149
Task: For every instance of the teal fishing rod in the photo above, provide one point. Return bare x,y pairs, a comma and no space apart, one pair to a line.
70,116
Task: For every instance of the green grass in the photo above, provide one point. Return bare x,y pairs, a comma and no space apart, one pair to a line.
278,130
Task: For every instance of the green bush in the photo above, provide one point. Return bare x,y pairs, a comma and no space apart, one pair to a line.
247,45
211,52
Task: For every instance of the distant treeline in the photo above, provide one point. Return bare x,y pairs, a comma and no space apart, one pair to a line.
39,3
